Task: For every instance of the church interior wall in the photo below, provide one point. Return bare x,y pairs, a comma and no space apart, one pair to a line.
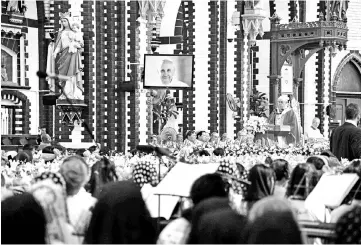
127,122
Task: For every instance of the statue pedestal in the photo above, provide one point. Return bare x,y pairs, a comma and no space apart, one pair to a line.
71,115
71,110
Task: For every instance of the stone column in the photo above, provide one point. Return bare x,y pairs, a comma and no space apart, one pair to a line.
326,94
296,84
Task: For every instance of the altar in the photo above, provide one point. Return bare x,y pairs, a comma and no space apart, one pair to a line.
274,135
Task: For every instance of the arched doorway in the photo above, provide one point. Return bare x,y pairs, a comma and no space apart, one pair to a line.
348,86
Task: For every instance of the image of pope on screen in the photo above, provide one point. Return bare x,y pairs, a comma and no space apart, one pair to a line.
174,71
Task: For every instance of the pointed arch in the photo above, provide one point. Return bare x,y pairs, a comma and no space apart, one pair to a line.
355,58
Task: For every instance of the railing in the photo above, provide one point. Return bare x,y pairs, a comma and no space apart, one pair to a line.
313,24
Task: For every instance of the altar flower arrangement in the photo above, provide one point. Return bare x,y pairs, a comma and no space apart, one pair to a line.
256,124
258,104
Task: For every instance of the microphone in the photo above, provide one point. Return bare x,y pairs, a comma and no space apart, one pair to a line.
43,74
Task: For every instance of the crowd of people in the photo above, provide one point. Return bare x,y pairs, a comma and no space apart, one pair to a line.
84,200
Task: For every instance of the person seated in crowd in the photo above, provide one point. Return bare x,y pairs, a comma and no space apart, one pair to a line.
354,197
303,180
179,142
50,190
120,217
281,168
26,155
204,207
313,132
272,221
202,139
348,227
190,140
214,221
262,180
102,173
22,220
203,153
218,152
332,159
4,158
45,139
320,162
49,154
75,172
225,141
241,137
214,140
169,143
205,187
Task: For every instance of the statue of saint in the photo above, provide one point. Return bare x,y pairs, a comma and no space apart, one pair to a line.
13,6
66,58
339,7
4,75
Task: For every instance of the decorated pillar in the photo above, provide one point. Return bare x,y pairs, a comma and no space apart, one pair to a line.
245,77
143,48
252,26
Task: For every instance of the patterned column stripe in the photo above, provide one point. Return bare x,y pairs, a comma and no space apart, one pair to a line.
223,68
121,59
213,66
245,79
238,71
185,51
326,91
320,66
133,58
89,80
101,71
293,10
26,54
188,95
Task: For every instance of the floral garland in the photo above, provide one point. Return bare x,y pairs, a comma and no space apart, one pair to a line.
256,124
144,169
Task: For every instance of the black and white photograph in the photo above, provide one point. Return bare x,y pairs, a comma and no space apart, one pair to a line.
168,71
180,122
